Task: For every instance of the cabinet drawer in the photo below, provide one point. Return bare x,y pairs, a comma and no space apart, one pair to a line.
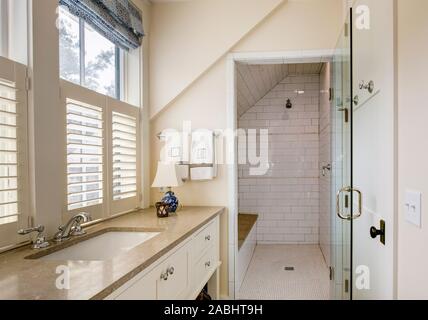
172,276
205,265
204,240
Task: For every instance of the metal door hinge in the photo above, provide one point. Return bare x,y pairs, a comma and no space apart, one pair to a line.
331,94
346,285
28,83
346,113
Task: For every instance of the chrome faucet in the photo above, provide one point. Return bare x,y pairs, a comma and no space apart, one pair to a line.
73,227
40,241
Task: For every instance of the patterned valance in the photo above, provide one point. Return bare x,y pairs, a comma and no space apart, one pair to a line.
120,21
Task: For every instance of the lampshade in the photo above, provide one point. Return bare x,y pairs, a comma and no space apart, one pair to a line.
167,176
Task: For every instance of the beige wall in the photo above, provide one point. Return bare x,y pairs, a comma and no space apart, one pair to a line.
297,25
189,37
204,102
413,154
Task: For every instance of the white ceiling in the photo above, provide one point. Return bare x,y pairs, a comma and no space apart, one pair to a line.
255,81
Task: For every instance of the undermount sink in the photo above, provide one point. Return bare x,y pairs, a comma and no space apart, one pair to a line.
102,247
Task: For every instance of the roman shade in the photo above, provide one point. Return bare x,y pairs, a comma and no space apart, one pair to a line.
120,21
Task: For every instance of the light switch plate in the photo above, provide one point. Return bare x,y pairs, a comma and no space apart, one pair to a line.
412,207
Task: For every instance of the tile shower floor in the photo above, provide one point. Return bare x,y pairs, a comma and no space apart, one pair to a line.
267,279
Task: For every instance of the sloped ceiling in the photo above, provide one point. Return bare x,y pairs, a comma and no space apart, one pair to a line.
255,81
188,37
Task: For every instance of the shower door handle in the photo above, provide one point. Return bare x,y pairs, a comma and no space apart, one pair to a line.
360,204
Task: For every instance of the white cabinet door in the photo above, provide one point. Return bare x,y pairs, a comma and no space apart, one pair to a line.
172,276
143,289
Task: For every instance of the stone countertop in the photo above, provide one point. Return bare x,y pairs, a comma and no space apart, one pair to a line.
31,279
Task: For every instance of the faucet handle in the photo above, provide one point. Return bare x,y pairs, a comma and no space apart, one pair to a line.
40,241
39,229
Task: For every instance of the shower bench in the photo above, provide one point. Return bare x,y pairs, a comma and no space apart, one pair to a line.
247,230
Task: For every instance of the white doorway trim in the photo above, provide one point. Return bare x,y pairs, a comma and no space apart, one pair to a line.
286,57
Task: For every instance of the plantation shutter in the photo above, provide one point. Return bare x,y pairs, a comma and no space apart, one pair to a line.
85,150
14,212
84,155
125,141
102,153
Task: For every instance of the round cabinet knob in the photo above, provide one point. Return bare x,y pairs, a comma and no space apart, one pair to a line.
208,238
171,270
164,276
208,264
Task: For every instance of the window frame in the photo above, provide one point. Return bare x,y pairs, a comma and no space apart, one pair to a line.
119,57
4,28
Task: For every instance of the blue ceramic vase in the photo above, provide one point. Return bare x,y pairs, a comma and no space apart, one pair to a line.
171,200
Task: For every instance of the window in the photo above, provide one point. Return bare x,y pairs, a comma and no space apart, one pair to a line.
13,30
102,153
13,151
87,58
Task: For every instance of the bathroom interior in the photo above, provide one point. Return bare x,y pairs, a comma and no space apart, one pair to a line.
86,195
284,221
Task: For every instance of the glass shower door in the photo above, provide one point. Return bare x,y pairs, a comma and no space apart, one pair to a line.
341,120
363,153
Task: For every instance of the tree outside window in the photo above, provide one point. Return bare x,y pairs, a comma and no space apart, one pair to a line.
86,57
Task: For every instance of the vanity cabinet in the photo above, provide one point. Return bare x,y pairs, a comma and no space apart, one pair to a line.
180,274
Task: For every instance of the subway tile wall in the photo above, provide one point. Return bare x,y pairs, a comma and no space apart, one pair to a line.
287,196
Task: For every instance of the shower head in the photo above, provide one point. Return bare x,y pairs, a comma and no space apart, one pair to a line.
289,105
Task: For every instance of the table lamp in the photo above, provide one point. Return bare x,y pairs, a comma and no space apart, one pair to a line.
167,177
